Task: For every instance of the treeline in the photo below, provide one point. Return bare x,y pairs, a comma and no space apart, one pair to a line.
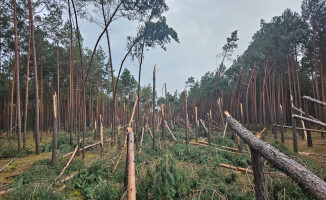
286,57
42,53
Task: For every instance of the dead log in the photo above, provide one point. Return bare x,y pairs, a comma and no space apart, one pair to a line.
230,148
7,164
167,126
306,179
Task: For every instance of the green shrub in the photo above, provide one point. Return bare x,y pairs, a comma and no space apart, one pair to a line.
9,152
105,190
169,180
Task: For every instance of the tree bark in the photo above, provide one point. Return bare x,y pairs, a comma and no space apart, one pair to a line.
153,122
258,168
37,108
131,168
55,130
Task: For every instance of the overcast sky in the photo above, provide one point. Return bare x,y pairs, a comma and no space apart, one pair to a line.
202,27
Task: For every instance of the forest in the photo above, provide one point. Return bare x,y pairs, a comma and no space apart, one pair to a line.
75,123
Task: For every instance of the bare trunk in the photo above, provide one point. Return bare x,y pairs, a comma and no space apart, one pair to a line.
37,108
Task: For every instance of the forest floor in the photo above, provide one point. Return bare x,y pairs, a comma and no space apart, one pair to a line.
173,171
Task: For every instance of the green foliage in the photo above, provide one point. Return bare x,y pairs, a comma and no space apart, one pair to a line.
169,180
9,152
34,183
105,190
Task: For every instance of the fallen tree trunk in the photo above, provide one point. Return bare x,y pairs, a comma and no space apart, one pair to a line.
314,100
309,120
241,169
167,126
306,179
203,144
230,148
312,154
87,147
7,164
305,129
201,121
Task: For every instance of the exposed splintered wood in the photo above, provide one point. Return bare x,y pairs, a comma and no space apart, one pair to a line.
304,177
314,100
131,168
260,133
6,165
167,126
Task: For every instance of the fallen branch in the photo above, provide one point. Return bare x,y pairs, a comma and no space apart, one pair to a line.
7,164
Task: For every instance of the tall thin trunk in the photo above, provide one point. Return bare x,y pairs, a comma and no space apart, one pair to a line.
58,86
71,78
154,142
316,77
112,75
17,80
27,81
37,108
138,96
186,121
12,102
55,130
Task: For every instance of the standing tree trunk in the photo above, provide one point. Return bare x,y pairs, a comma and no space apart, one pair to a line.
55,130
186,119
37,108
58,86
17,80
258,168
71,80
27,81
153,121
